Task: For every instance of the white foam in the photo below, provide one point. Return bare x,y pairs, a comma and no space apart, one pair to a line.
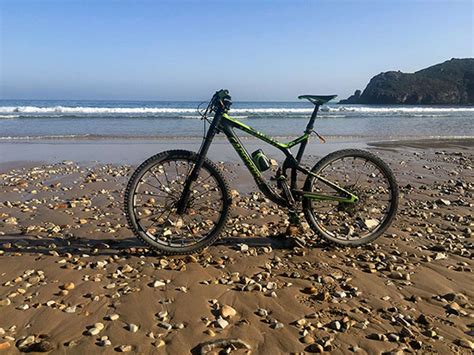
396,109
92,110
14,111
9,116
133,110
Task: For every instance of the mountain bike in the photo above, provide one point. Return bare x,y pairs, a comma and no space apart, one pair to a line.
178,201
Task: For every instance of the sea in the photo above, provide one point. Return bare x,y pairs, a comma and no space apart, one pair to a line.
82,119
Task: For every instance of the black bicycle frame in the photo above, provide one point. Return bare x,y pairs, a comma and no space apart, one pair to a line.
226,124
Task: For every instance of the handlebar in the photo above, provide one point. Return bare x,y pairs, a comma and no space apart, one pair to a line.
221,100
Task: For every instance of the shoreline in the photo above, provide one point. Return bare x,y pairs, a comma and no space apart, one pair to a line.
136,150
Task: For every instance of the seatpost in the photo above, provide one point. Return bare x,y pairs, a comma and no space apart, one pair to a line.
309,127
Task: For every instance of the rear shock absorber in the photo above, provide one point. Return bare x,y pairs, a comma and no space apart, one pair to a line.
282,184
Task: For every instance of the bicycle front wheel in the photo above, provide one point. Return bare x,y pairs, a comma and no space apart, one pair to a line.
152,195
363,174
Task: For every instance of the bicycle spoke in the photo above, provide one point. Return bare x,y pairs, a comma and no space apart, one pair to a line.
349,221
164,225
149,194
166,175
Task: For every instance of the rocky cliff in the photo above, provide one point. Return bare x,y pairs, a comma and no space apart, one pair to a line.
448,83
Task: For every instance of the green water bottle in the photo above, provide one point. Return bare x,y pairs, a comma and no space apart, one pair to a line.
261,160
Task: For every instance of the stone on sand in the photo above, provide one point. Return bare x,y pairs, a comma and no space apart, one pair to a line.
68,286
227,311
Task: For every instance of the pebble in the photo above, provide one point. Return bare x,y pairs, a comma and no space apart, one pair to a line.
104,341
262,312
465,343
70,309
371,223
278,325
210,332
335,325
377,336
310,290
222,323
93,331
132,328
5,302
228,312
159,283
165,325
316,348
124,348
113,316
443,202
244,247
127,268
393,337
160,343
96,329
11,220
68,286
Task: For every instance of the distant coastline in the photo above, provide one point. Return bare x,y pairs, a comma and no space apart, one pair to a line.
448,83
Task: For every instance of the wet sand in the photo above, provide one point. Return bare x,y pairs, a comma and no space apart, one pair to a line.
69,265
134,151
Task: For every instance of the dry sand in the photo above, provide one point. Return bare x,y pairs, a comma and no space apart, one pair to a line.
68,263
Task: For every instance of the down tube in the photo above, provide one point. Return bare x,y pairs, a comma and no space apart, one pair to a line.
257,175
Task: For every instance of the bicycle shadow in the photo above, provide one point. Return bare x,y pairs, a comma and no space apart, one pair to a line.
21,243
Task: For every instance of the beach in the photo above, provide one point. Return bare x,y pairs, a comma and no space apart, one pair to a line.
236,177
74,279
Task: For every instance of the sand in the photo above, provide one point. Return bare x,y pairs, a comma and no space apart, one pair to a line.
68,261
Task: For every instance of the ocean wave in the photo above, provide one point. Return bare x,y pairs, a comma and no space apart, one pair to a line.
333,111
9,116
92,110
395,109
133,110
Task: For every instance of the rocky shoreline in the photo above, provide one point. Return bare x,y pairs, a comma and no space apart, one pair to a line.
448,83
74,279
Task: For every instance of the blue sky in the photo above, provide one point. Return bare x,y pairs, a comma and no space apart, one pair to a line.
185,50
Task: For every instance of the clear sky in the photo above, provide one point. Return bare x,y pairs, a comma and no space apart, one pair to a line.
185,50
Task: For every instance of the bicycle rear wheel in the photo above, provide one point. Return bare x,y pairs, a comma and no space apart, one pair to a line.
153,192
363,174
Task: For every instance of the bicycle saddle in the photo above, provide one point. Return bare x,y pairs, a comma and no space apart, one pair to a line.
317,99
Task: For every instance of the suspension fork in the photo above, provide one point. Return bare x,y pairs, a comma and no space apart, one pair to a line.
184,199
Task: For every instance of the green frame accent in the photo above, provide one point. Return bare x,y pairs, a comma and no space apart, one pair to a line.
228,123
350,199
243,127
320,197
